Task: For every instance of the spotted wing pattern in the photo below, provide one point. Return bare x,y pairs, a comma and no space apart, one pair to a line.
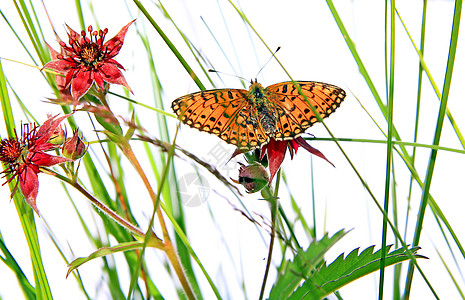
237,117
222,112
295,114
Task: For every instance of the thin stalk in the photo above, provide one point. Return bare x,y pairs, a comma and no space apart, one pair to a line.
312,179
434,85
390,97
112,214
402,143
268,195
417,110
437,137
168,246
170,45
79,13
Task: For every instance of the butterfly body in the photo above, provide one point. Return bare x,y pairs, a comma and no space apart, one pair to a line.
249,118
263,112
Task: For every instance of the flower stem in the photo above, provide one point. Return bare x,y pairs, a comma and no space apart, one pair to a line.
168,246
133,229
268,195
174,259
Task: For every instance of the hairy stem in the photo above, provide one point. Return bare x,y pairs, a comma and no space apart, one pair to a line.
273,201
168,246
124,223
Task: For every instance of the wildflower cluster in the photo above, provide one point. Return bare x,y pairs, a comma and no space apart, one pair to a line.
25,156
88,59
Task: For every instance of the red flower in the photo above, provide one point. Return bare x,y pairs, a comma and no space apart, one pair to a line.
276,150
88,59
24,156
65,94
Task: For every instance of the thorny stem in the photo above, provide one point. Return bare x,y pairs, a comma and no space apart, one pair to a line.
273,201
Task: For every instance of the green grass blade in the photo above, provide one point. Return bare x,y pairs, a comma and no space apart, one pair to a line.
31,29
25,213
451,275
425,68
6,105
397,279
362,69
169,193
389,60
437,137
79,13
18,38
197,54
9,260
170,45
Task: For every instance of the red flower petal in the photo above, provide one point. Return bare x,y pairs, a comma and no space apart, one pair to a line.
112,61
113,75
81,84
42,159
276,152
114,44
53,53
71,32
69,77
29,185
237,152
293,146
97,76
60,65
299,140
46,130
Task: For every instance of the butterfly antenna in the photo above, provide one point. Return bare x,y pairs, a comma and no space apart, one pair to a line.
274,54
219,72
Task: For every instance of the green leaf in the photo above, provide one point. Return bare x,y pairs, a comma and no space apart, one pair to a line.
342,271
103,252
9,260
110,123
304,262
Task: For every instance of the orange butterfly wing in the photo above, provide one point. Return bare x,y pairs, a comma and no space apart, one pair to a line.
296,115
225,113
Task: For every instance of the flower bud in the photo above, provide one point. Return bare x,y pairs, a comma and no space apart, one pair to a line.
74,148
58,136
253,177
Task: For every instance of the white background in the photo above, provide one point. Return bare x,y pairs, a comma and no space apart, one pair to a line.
312,49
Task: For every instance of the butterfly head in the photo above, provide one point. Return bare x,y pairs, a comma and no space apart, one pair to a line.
256,90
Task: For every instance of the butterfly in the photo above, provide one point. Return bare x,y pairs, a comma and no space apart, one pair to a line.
248,119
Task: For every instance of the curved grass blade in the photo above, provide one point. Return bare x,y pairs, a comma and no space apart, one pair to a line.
9,260
103,252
